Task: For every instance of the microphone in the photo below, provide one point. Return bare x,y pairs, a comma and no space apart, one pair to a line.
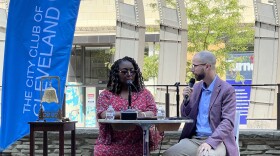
191,83
129,82
129,114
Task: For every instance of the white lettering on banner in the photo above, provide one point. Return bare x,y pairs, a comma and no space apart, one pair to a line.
37,106
41,47
47,40
241,93
28,98
243,67
239,90
242,100
38,14
38,84
243,104
241,97
51,24
44,62
51,14
35,41
30,72
55,15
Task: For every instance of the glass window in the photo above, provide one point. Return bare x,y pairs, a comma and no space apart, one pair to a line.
74,70
96,65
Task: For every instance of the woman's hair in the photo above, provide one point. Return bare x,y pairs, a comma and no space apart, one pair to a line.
114,84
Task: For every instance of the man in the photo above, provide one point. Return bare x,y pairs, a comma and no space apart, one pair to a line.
211,103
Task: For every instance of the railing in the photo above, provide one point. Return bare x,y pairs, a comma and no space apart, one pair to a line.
167,98
176,86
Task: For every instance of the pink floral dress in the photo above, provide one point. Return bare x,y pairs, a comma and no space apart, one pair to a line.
126,142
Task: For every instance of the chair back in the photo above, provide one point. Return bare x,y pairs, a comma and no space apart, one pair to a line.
236,129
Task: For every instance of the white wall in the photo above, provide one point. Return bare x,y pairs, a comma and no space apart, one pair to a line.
3,21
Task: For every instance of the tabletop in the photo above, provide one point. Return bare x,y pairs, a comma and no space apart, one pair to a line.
51,122
146,121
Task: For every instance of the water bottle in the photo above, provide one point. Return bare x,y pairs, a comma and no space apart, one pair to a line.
110,113
160,113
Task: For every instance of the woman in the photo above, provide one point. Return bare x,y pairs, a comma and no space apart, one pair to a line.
124,140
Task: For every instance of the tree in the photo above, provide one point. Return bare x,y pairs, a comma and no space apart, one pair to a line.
150,68
215,25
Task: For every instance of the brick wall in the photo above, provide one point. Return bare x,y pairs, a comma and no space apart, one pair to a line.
251,142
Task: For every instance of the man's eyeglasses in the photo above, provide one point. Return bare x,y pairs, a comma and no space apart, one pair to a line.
195,65
130,72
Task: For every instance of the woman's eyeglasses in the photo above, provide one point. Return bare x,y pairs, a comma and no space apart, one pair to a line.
130,72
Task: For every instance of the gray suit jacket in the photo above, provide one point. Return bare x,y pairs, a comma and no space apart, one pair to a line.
221,115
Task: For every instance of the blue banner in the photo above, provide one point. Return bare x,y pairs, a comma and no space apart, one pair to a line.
242,98
39,39
243,64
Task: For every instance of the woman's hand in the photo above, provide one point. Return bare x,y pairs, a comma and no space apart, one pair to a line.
117,115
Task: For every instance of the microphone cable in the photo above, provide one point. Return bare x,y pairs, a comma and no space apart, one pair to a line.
162,137
136,91
160,145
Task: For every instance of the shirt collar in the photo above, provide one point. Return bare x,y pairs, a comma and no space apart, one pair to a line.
211,86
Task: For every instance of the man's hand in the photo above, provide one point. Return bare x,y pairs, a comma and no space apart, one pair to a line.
204,149
187,92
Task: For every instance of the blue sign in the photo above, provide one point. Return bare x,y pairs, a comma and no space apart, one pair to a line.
243,63
38,43
242,98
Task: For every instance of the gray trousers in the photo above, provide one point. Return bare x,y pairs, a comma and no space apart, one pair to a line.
189,147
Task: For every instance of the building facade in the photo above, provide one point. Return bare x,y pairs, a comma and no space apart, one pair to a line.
93,48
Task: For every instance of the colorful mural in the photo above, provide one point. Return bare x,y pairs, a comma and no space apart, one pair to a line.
74,103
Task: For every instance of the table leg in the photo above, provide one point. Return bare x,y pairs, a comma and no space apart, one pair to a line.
61,142
145,128
45,143
73,143
31,150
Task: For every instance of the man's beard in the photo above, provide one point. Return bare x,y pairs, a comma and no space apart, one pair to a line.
200,76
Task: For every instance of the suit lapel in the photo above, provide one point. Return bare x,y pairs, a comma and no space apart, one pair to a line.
216,91
198,95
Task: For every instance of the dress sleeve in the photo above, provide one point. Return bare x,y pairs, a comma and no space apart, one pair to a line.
150,102
155,136
102,103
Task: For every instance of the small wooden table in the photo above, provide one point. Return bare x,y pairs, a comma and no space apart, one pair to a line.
53,126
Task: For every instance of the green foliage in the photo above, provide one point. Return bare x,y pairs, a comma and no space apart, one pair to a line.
150,68
216,23
111,52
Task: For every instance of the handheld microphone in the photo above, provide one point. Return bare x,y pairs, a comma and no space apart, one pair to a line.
191,83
